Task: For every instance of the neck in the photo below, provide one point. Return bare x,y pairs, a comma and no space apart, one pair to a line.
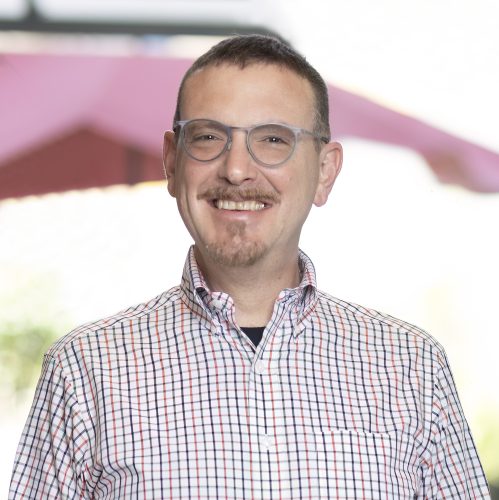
254,288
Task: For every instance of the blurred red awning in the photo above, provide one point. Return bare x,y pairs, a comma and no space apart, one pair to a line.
75,121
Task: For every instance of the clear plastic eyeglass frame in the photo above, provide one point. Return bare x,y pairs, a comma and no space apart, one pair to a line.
180,126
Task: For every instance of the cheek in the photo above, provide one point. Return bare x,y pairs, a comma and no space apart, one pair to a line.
188,180
189,186
303,188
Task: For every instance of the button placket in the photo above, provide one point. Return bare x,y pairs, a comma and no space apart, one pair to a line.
271,434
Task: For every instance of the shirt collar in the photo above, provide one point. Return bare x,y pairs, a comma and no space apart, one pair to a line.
198,295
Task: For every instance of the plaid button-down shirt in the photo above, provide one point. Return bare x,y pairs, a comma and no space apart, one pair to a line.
171,400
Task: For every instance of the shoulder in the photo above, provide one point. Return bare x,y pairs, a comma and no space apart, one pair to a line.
381,328
88,333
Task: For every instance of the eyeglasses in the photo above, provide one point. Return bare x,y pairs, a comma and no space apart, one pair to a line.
270,144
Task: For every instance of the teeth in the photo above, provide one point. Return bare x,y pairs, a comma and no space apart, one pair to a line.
239,205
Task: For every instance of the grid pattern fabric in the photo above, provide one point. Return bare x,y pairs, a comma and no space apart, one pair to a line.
171,400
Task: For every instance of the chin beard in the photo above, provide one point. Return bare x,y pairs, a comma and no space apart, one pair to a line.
243,255
235,250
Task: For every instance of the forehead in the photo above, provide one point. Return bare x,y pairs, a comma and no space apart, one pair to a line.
254,94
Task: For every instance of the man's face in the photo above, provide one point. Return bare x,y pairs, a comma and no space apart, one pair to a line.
278,199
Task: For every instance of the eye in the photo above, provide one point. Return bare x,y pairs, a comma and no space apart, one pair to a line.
204,137
272,135
204,132
274,139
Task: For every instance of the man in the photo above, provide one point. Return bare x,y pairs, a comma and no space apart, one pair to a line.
246,381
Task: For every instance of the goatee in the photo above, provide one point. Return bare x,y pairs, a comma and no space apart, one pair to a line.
236,250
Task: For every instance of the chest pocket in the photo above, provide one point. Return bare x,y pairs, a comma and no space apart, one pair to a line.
361,464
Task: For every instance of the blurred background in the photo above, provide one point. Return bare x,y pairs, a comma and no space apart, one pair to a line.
87,227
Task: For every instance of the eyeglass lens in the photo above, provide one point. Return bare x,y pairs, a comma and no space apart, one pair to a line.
271,144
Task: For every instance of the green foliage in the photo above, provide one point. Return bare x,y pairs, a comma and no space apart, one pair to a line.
30,320
488,444
21,353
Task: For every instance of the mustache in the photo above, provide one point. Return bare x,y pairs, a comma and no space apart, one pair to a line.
238,194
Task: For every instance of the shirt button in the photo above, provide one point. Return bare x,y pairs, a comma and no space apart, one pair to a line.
260,367
217,304
266,442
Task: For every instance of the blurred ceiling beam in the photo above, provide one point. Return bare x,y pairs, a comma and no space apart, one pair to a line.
36,21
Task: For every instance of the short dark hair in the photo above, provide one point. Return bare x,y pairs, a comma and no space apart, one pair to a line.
243,50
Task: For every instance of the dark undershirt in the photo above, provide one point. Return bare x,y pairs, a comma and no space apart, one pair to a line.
254,333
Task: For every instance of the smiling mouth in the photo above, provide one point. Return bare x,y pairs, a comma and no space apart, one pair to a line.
237,199
249,205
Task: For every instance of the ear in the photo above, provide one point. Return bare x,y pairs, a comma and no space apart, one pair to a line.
330,161
170,160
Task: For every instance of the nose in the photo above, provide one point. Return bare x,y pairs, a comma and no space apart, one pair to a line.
237,165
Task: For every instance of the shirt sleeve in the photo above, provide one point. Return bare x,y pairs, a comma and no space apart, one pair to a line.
49,457
452,468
